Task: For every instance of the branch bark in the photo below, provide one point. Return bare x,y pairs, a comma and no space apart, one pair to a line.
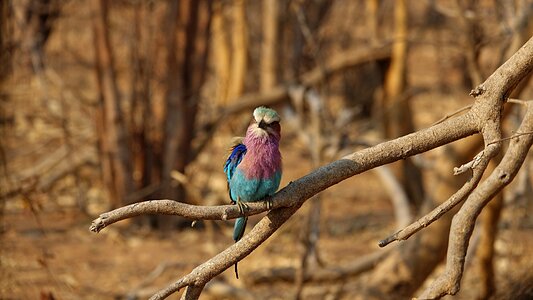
436,213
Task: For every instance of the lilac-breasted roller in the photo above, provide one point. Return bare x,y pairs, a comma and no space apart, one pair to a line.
253,168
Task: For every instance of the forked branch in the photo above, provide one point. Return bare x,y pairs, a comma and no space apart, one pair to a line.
291,197
490,97
440,210
484,117
464,221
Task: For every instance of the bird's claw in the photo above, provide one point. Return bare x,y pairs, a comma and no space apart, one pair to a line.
242,207
269,203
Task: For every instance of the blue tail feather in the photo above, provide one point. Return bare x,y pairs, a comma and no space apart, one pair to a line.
238,232
238,229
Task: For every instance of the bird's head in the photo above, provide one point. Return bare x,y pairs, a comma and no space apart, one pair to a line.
265,122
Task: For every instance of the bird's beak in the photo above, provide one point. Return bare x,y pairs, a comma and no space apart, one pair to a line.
262,125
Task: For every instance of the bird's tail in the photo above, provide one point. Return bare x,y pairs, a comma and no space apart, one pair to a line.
238,229
238,232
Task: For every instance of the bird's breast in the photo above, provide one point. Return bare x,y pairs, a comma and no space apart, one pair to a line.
257,166
253,189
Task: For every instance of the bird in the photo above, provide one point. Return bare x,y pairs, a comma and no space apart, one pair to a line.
254,167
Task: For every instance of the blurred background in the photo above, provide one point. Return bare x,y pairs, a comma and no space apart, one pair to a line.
106,103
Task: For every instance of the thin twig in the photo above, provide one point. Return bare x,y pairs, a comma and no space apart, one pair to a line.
511,137
446,117
398,196
470,165
440,210
518,101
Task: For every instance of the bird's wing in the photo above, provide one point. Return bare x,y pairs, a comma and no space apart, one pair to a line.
237,153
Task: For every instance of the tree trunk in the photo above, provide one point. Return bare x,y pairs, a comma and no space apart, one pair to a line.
372,7
269,45
221,53
39,18
239,59
113,140
188,22
398,118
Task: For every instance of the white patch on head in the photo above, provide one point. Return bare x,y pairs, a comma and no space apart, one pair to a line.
257,116
267,115
269,119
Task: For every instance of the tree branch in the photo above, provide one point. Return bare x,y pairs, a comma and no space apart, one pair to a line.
440,210
490,97
491,94
192,292
484,117
293,195
172,207
298,191
464,221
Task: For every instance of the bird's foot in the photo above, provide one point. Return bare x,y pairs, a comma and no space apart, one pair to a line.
269,203
242,207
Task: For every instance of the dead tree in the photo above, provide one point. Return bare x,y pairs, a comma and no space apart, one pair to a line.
39,17
112,135
269,49
397,112
188,22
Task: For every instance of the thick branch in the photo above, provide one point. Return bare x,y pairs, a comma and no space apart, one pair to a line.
464,221
304,188
297,192
501,83
491,94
